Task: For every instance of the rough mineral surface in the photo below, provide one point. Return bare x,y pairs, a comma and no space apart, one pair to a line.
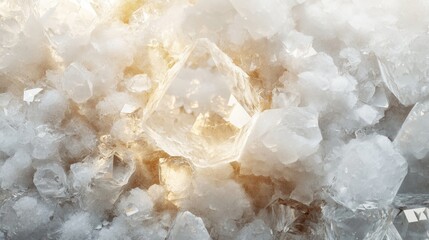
214,119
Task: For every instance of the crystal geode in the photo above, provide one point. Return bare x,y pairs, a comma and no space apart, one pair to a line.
214,119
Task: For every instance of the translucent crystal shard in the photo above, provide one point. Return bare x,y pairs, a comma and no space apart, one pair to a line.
30,94
413,136
412,218
412,141
188,227
175,174
202,107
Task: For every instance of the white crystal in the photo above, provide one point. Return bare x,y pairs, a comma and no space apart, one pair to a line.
128,108
188,227
413,136
77,82
261,19
30,94
51,180
281,136
77,226
16,170
369,161
139,83
137,204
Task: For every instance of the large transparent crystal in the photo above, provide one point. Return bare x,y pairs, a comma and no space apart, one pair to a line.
202,107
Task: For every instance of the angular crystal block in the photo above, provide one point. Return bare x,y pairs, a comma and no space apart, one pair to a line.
412,218
201,109
412,138
175,174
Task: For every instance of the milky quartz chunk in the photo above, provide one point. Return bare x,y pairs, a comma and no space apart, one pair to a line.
413,137
187,226
369,161
201,109
281,136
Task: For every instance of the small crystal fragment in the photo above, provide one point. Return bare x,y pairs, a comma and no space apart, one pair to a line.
136,204
128,108
30,94
77,81
139,83
51,181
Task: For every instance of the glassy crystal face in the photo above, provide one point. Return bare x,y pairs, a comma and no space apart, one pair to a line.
202,108
175,174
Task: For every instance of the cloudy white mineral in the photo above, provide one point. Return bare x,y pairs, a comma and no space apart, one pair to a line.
202,119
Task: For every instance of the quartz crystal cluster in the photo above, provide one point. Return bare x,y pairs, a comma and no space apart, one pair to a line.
214,119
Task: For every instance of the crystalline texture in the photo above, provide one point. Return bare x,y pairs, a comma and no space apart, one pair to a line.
370,161
256,230
363,224
281,136
200,110
77,81
175,174
406,75
188,227
51,181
